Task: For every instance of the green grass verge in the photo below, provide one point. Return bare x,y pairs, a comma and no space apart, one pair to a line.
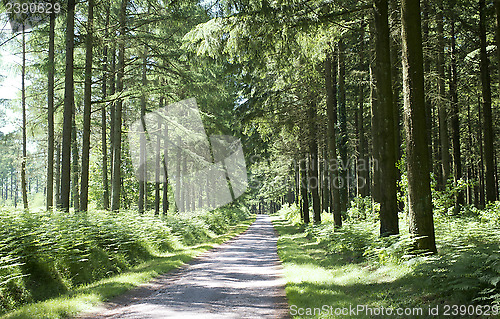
86,297
334,282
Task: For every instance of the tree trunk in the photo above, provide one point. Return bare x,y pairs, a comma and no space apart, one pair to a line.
69,105
57,176
342,129
480,141
313,163
362,165
75,168
419,190
491,192
16,191
383,117
470,161
395,49
331,105
455,124
178,200
427,82
142,146
23,101
117,135
87,111
497,11
157,170
303,190
297,186
112,117
165,161
375,172
50,115
325,187
442,111
105,182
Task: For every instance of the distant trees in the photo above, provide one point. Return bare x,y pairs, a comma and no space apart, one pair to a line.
276,91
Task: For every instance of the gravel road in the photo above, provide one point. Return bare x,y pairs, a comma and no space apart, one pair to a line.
239,279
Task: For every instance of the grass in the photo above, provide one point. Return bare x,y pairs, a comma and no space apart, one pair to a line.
340,270
86,297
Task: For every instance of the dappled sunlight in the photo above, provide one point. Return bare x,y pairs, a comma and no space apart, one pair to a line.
318,273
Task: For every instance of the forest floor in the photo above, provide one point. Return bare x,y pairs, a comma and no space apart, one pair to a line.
330,279
239,279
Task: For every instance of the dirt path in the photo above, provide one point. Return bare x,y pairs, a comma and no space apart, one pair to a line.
240,279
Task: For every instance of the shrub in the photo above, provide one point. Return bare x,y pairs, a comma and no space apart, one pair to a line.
290,212
362,208
44,254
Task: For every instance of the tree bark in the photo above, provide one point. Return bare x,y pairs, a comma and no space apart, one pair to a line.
69,105
117,135
303,190
142,146
375,172
455,124
104,146
383,117
342,120
419,191
50,115
362,165
480,141
442,110
157,170
112,117
427,85
166,205
491,192
75,167
57,174
497,33
87,109
313,163
23,101
331,105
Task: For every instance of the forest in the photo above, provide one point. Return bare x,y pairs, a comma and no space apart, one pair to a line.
369,129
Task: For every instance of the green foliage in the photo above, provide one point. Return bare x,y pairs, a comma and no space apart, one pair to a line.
466,270
349,243
362,208
44,254
469,262
444,201
290,212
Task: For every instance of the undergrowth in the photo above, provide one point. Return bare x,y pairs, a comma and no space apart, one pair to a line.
46,254
466,269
